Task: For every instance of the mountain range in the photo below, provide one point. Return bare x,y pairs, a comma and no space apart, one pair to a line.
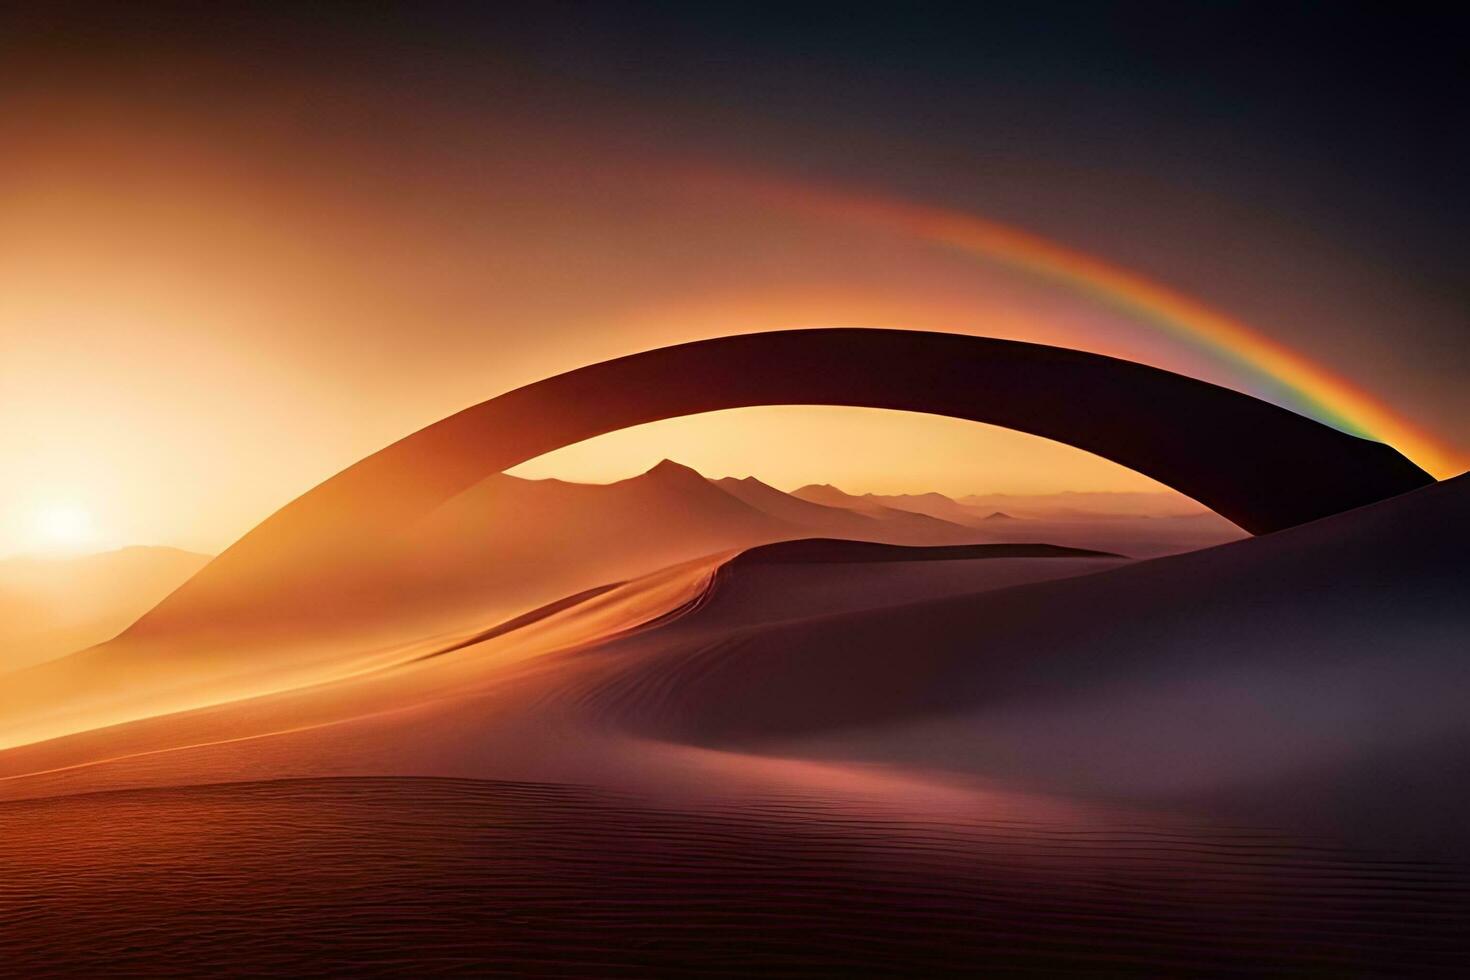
508,545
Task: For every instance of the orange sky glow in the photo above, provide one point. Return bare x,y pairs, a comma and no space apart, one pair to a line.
201,317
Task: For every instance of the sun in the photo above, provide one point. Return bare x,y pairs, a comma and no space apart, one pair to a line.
63,526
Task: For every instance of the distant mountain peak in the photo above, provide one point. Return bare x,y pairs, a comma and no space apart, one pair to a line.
1001,515
744,481
667,469
932,495
825,489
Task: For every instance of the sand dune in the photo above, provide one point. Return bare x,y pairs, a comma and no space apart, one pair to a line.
1311,677
506,545
53,606
505,681
502,548
1311,648
524,542
1024,755
331,552
403,877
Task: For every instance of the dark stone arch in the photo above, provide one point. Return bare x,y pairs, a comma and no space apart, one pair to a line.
1261,466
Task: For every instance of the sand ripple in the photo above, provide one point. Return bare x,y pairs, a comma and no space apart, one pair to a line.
414,876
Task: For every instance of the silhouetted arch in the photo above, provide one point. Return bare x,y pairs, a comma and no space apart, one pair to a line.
1261,466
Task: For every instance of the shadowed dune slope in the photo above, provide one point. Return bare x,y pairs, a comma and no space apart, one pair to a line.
1315,675
813,758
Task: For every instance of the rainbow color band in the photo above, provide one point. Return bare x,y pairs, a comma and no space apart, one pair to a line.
1273,370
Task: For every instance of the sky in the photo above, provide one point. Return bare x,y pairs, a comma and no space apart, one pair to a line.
241,248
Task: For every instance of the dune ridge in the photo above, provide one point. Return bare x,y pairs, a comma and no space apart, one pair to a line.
499,550
1326,659
375,681
1030,757
854,658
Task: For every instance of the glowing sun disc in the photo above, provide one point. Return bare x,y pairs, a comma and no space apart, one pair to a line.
63,526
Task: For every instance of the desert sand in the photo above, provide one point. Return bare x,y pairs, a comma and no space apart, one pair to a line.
52,606
793,756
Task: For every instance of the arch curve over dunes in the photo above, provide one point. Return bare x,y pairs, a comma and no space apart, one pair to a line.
1261,466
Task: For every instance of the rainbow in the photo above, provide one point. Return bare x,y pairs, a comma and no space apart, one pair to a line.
1273,370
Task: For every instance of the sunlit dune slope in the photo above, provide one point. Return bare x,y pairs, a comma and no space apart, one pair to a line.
494,552
259,687
1312,677
1016,755
504,699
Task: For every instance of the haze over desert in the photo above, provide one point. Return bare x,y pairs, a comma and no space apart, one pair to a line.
683,662
734,490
